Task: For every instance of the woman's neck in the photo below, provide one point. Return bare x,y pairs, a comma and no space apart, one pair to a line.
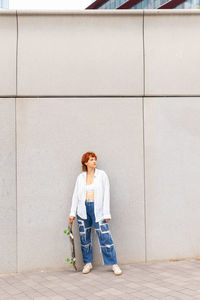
91,171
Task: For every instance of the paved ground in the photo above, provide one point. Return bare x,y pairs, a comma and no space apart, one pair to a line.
158,280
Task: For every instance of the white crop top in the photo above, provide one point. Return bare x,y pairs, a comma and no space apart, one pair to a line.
90,187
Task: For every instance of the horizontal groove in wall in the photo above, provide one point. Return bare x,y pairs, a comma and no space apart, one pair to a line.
139,96
86,12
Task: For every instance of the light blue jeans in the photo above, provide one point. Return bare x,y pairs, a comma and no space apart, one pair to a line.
104,236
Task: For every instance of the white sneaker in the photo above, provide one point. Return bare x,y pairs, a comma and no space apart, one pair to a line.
87,268
116,269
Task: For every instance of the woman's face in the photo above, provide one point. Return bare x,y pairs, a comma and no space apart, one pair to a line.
91,162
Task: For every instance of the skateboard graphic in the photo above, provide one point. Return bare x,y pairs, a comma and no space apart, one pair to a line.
75,259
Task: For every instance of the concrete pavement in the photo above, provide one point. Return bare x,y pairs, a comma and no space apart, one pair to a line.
156,280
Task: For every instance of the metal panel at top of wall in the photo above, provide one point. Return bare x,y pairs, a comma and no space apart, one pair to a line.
80,54
8,37
172,47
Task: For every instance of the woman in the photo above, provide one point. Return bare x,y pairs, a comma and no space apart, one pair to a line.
91,204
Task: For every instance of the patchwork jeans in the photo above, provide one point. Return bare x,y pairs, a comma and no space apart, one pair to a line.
104,236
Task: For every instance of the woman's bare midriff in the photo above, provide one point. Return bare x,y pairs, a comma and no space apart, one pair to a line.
90,195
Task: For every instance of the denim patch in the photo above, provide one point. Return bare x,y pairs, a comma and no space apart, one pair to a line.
104,233
84,233
108,250
104,227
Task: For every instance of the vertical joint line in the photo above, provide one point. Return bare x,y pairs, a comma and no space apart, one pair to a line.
17,269
143,56
144,177
17,54
143,117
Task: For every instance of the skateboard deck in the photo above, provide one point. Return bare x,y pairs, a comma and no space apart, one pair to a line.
76,256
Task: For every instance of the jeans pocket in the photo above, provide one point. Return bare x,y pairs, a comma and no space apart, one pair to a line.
86,249
103,226
108,250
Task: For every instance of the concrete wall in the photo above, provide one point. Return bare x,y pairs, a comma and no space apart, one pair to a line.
123,84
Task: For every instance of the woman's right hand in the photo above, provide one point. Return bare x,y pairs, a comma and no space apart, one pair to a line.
71,219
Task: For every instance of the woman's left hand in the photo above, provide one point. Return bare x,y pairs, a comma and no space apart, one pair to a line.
106,220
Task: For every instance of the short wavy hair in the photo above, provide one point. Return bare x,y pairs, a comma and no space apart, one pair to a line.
85,158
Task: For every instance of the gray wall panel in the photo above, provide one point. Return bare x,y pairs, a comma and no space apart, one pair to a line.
52,136
172,47
7,186
80,55
8,38
172,168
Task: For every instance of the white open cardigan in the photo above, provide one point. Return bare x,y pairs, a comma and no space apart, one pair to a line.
101,196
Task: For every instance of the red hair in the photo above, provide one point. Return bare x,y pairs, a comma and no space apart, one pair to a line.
85,158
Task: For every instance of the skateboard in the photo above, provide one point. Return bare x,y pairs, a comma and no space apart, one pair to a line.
75,258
